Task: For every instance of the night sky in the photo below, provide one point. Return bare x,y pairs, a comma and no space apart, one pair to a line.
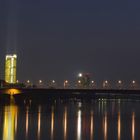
57,39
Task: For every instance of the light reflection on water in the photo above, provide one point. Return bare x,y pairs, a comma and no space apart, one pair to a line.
133,125
39,122
10,122
91,126
105,126
27,122
119,126
65,123
79,123
97,120
52,123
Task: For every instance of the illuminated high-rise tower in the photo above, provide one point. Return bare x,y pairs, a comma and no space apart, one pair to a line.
10,68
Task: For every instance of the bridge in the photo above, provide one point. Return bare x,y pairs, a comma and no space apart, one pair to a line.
14,91
42,95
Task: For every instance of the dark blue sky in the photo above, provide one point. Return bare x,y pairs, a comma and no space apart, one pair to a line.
56,39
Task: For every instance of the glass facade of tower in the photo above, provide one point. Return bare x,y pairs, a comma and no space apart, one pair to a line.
10,68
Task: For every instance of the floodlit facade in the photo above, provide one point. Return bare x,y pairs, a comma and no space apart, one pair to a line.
10,68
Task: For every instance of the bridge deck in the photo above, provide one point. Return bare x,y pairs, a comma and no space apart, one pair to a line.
66,91
40,95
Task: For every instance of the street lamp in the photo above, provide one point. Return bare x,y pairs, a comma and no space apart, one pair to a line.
119,84
105,84
28,81
66,83
133,84
79,82
40,81
93,84
53,84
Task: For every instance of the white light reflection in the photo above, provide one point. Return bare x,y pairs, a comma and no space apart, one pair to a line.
39,122
79,121
99,105
52,123
102,106
27,121
65,123
133,126
91,126
119,126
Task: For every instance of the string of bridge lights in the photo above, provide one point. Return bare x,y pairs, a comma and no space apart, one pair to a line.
80,83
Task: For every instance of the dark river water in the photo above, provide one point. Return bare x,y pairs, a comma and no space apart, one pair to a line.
71,120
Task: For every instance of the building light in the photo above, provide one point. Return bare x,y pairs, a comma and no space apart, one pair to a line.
80,75
10,68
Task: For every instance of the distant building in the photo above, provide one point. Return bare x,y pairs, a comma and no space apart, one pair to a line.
10,68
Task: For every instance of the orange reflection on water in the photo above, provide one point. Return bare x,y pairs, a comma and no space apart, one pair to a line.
91,126
119,126
133,126
65,123
13,91
52,123
105,126
39,122
10,122
27,121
